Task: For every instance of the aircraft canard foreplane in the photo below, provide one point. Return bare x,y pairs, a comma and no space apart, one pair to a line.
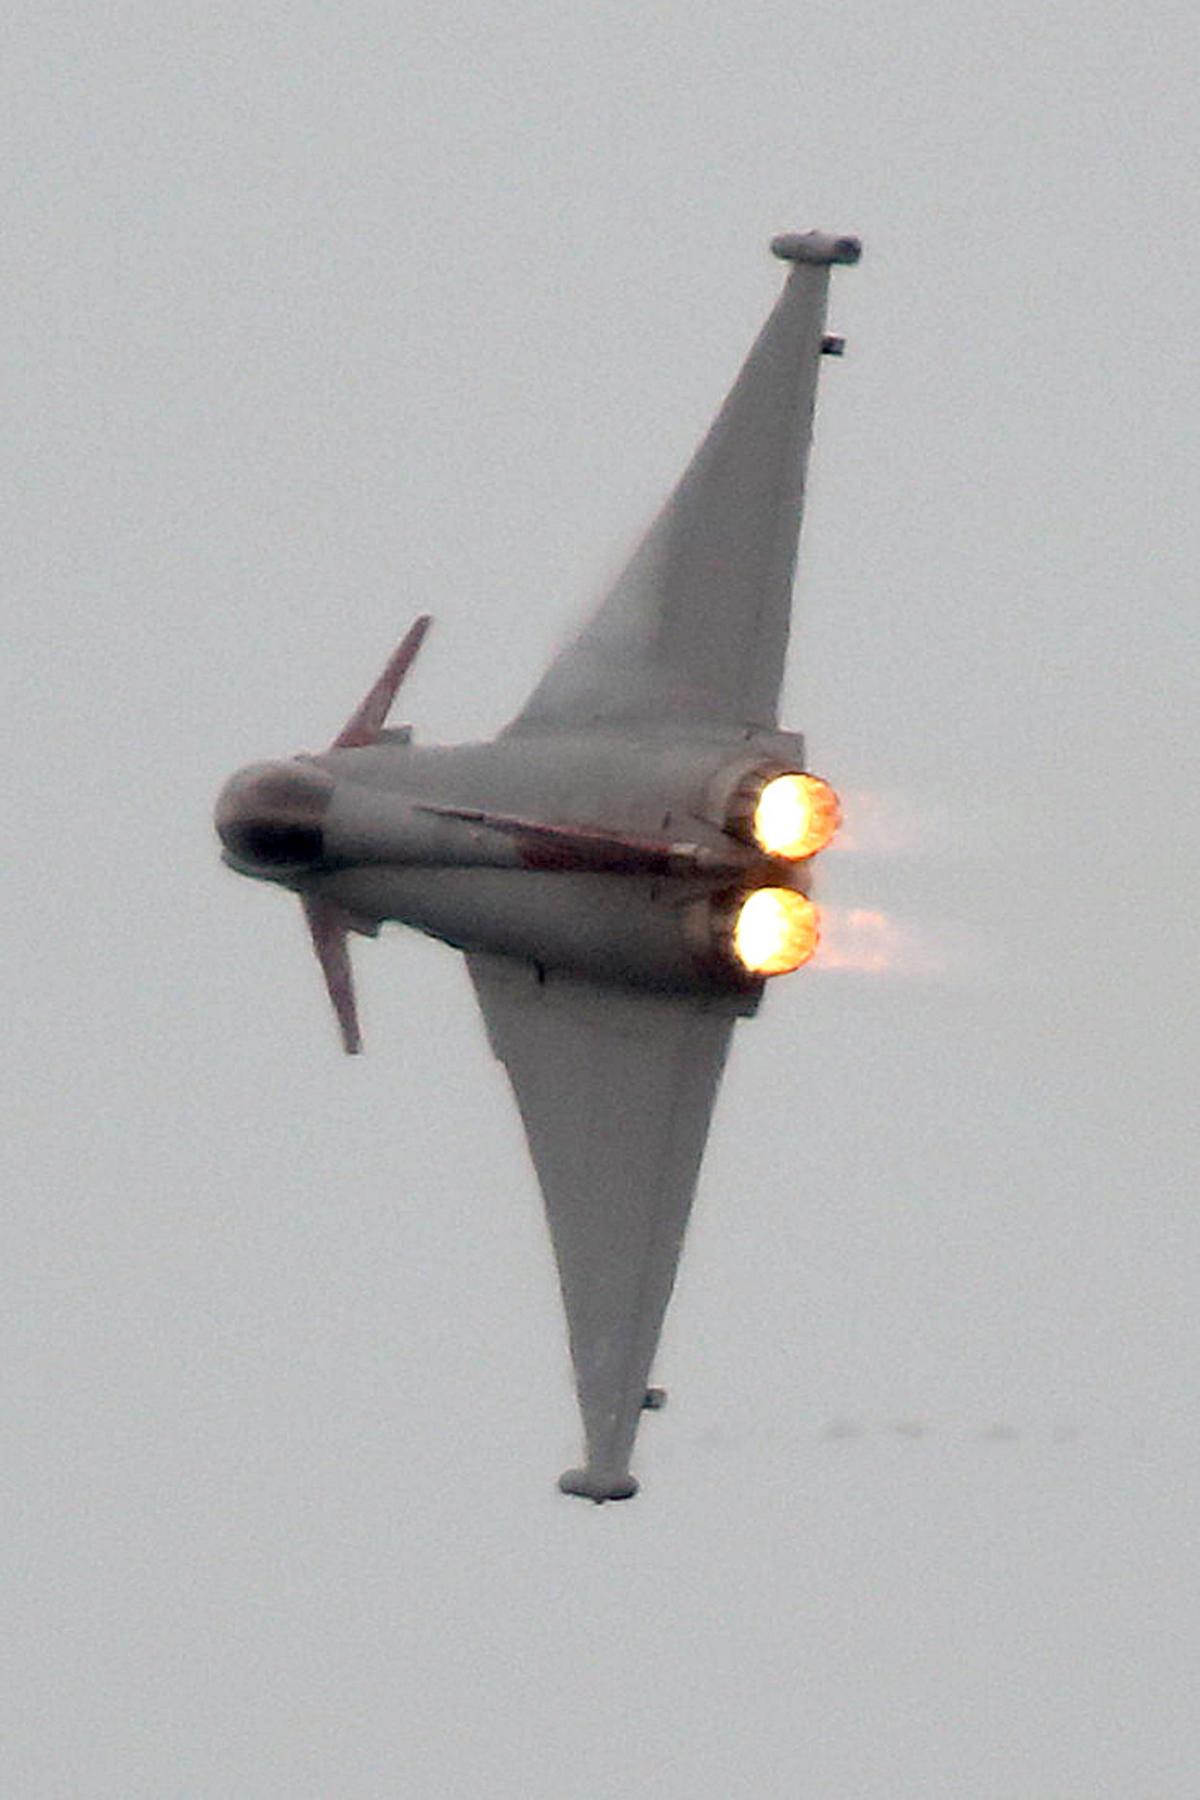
624,866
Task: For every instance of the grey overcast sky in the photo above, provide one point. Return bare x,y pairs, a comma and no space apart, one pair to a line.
317,317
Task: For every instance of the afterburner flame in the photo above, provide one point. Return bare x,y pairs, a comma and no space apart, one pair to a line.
796,816
776,931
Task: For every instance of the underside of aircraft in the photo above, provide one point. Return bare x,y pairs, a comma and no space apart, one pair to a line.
624,867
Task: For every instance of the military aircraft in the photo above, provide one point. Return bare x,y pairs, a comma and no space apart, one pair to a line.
624,866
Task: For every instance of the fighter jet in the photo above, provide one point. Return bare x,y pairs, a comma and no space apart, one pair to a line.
624,866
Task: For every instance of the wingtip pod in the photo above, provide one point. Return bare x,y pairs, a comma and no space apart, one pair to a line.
591,1485
820,247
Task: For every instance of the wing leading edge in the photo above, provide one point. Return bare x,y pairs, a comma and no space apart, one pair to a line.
696,628
615,1090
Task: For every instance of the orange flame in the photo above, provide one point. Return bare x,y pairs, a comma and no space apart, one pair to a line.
796,816
776,931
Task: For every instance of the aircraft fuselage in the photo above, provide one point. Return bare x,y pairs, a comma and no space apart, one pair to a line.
598,854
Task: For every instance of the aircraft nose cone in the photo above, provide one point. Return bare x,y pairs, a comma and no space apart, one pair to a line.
273,814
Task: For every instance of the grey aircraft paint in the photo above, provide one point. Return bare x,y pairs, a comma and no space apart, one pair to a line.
592,860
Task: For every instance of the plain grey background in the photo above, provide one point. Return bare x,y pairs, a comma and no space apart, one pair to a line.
317,317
